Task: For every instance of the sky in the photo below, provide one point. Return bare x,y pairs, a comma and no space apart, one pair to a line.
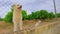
28,5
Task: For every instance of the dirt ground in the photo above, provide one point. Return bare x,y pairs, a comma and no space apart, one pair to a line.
7,28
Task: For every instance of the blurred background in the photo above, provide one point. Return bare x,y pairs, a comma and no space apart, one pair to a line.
33,11
29,5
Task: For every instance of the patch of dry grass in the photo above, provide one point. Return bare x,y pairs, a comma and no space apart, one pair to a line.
8,27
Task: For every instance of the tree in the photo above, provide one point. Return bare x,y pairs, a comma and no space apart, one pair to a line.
24,15
1,19
51,15
43,14
58,15
33,15
36,15
8,17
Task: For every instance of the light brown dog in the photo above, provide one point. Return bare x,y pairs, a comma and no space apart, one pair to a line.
17,17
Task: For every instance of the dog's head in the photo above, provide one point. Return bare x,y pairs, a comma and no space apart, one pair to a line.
17,6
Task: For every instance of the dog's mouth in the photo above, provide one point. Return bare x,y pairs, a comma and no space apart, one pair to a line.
20,7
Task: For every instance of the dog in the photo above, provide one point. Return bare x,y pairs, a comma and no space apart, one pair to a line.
17,17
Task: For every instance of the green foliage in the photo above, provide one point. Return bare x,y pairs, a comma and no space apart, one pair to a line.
51,15
1,19
24,15
43,14
30,17
8,17
58,15
36,15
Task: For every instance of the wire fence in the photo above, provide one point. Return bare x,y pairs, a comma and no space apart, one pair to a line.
53,28
30,6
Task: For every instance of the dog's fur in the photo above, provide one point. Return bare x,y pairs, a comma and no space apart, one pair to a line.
17,17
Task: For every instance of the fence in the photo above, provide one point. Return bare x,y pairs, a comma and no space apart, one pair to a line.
51,28
5,5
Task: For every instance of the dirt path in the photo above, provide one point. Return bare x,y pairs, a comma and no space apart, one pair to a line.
7,28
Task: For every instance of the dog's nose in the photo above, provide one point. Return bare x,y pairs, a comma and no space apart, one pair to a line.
21,6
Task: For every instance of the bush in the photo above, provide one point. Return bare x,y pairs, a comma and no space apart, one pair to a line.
36,15
30,17
1,19
51,15
24,15
8,17
33,15
58,15
43,14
